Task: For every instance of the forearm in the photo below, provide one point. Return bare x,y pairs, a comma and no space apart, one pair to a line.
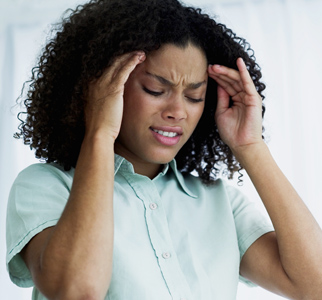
78,254
298,235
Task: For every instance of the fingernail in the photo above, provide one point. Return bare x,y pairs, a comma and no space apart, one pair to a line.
141,56
211,67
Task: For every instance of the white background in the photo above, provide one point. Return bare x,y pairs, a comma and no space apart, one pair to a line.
287,38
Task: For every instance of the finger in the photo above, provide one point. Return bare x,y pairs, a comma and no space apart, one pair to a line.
231,90
111,69
128,66
222,100
114,77
245,77
225,74
118,63
222,71
237,85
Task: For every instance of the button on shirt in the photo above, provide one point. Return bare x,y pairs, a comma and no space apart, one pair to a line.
174,237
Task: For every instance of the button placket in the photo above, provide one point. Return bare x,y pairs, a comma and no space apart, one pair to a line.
160,238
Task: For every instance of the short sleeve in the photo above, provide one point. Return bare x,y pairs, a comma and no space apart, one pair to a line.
250,223
36,201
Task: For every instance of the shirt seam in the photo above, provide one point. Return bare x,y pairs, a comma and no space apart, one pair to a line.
27,234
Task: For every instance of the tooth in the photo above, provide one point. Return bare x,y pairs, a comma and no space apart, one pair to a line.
166,133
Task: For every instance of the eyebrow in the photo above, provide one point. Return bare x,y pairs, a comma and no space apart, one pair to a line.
162,80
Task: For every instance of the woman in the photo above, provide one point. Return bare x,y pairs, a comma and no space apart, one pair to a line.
128,99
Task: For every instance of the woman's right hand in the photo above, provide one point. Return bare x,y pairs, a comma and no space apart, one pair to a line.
104,107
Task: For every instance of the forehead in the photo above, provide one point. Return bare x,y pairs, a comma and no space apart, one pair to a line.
176,63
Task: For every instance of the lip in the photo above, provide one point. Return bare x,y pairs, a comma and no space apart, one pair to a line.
165,140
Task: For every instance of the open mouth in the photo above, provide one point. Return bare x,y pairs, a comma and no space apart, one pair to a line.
167,137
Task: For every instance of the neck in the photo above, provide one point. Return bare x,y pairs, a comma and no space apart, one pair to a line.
149,171
142,167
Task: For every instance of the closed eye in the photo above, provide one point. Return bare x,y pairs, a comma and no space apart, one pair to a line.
153,93
194,100
156,94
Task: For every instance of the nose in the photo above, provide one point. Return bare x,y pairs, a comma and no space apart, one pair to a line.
175,109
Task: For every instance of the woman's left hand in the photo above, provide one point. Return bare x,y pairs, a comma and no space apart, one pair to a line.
241,124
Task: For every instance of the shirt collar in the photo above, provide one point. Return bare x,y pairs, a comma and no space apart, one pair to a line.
117,162
121,164
179,176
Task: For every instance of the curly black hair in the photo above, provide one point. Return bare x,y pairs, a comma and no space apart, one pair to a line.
86,43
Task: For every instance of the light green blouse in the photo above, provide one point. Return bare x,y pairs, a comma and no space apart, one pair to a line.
175,238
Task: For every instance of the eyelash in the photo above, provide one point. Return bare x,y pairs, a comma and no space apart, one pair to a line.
156,94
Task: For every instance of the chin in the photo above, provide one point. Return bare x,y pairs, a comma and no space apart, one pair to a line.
162,158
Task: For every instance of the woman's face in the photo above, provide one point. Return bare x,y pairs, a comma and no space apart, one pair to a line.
163,101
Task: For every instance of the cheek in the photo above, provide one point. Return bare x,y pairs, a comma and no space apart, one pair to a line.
137,107
131,100
198,113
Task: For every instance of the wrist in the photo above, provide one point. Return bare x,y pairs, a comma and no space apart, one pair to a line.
247,155
100,136
99,142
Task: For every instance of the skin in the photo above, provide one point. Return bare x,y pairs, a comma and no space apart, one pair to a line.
61,259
